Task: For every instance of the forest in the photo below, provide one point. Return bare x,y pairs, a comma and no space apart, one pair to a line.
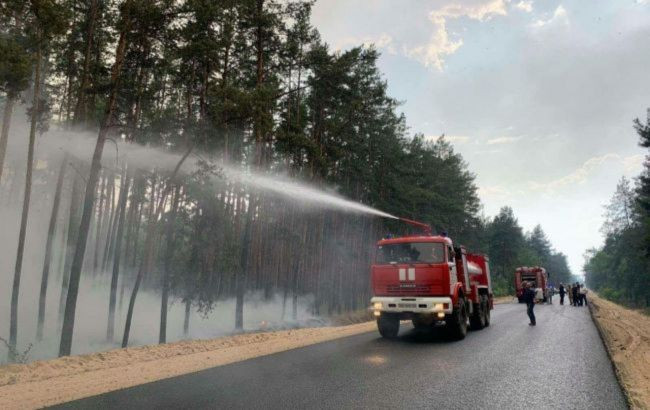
166,161
620,268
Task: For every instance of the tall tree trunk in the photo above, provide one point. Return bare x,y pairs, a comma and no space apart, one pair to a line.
6,123
186,322
98,231
240,287
285,293
89,198
110,223
162,337
136,234
149,244
73,228
13,325
124,191
80,107
111,240
63,235
133,205
48,250
70,56
258,125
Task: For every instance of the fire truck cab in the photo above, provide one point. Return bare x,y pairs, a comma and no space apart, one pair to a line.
536,276
426,279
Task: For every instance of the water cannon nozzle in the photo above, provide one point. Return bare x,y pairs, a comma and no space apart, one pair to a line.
426,228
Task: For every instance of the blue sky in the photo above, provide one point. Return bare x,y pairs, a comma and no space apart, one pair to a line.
538,96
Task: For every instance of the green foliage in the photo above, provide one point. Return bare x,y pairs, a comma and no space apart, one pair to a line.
620,269
15,66
509,249
253,82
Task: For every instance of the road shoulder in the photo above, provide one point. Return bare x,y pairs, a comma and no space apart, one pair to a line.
626,334
49,382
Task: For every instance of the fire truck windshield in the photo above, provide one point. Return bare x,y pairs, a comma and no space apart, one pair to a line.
413,252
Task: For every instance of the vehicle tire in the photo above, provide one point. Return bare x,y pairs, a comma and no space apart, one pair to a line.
457,323
388,325
487,311
477,320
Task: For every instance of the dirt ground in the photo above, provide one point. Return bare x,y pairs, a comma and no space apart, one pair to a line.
627,336
504,299
48,382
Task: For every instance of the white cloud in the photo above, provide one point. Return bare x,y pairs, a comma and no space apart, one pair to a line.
502,140
578,176
440,44
458,139
494,192
382,42
526,6
633,164
559,16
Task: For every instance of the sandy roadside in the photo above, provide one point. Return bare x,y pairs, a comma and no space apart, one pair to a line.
627,337
504,299
49,382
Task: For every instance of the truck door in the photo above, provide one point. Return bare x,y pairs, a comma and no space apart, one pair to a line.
461,263
453,272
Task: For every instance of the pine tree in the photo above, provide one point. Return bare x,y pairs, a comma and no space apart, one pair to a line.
43,21
620,212
643,190
506,243
15,65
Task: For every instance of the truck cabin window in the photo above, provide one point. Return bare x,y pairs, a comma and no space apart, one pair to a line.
532,279
415,252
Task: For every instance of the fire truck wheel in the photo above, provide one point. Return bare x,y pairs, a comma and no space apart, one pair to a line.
487,314
388,325
477,320
457,324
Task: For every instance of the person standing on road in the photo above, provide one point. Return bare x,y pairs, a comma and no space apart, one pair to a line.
583,295
574,293
569,292
562,291
529,299
580,299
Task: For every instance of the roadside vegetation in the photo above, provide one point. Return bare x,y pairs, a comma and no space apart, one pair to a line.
620,269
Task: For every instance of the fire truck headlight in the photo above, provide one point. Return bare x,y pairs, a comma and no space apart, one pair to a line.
438,307
441,315
377,306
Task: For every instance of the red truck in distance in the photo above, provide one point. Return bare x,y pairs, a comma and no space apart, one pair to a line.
426,279
537,277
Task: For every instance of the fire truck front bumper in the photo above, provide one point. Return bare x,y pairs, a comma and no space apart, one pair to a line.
433,305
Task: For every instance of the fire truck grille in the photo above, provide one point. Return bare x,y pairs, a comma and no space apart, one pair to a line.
410,289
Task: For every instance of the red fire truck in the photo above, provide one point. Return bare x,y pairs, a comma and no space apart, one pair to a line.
536,276
428,280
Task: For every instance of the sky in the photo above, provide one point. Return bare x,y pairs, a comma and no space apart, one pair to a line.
537,95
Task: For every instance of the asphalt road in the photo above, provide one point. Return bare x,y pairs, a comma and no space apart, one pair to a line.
561,363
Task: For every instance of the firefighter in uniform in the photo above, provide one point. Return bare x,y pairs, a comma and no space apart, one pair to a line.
529,299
